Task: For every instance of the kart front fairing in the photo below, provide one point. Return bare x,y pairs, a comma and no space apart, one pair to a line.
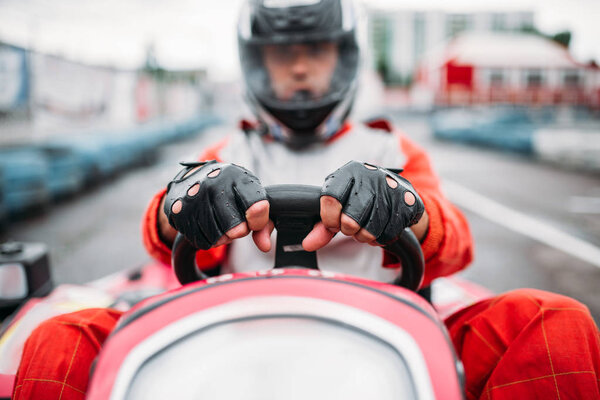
279,334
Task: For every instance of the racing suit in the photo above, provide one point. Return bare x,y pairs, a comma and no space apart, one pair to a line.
525,344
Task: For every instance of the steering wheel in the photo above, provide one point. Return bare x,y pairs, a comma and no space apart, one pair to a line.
294,209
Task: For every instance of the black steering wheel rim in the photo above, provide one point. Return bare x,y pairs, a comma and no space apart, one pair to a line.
288,205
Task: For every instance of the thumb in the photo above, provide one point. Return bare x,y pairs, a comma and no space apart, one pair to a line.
317,238
262,238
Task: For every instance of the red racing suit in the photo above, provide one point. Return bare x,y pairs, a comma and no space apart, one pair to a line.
525,344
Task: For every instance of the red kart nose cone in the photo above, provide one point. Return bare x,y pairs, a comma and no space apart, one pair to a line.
281,333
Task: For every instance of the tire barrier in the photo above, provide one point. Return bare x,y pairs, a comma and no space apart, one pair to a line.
33,176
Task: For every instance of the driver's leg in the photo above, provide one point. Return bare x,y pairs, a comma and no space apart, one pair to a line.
58,354
528,344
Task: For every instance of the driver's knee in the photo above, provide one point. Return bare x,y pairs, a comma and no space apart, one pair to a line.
58,354
524,334
517,308
543,300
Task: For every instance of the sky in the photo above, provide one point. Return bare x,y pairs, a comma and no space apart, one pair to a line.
201,33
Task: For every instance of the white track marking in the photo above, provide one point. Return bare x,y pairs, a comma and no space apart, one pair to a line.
521,223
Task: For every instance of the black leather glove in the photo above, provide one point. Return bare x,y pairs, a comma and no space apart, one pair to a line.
204,213
368,199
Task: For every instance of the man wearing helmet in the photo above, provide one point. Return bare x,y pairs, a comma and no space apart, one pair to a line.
300,64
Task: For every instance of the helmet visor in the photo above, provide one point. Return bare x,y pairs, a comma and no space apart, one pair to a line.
300,72
300,78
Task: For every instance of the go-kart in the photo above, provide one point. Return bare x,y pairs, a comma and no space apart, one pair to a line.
290,332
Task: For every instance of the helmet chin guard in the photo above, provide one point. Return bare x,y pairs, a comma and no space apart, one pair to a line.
311,108
329,126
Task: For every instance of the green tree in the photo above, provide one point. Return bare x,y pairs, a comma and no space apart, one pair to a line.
562,38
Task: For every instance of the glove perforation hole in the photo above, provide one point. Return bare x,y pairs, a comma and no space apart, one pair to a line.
193,190
214,173
391,182
177,206
409,198
191,171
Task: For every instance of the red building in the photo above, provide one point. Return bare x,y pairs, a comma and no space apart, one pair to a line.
479,68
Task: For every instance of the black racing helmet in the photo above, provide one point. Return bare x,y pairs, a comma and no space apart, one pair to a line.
312,105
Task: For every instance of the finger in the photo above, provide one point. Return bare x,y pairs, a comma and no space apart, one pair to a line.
349,226
262,238
211,228
378,220
331,210
257,215
226,214
317,238
364,236
223,240
360,206
238,231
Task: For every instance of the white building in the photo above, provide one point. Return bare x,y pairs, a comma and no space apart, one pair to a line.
399,38
506,67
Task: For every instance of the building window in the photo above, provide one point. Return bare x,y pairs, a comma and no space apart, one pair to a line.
419,25
380,40
534,78
457,23
498,22
525,21
497,78
572,79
